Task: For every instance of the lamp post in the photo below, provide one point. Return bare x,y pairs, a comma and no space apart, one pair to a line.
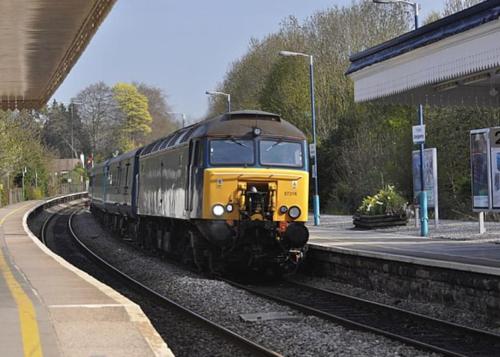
424,228
313,116
414,5
72,108
183,116
228,96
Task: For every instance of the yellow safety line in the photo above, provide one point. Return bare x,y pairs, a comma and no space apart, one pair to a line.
27,315
12,212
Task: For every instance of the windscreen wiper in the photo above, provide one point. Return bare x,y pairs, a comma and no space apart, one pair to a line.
276,143
238,142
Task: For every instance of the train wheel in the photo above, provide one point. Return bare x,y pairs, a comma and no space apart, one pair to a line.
200,248
215,262
141,234
187,254
272,272
150,238
133,228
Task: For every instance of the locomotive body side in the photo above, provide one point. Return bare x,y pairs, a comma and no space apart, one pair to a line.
162,185
97,185
119,183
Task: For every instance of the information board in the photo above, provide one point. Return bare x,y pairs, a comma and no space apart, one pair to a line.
495,167
418,133
430,176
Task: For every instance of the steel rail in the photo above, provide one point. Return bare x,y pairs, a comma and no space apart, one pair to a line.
164,301
411,328
43,230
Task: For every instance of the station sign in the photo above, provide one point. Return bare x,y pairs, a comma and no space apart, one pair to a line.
418,133
485,169
312,151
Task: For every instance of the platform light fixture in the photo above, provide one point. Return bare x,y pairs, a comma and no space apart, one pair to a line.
476,78
446,86
227,95
313,117
182,115
72,108
414,5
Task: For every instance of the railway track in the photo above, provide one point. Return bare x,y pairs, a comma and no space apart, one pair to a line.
244,343
414,329
411,328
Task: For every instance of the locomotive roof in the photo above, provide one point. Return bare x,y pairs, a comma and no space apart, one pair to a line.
243,122
124,156
237,123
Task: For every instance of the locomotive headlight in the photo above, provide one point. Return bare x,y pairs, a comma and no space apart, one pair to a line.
229,208
283,209
218,210
294,212
257,131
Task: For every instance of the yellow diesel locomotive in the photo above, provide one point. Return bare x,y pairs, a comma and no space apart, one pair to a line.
231,191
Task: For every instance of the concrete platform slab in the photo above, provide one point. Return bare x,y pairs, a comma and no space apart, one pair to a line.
73,314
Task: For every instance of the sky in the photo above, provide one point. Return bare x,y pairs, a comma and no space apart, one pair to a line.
184,47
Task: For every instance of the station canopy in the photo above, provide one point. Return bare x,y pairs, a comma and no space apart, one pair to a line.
453,61
40,41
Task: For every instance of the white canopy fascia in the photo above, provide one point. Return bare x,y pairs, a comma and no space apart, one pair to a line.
463,54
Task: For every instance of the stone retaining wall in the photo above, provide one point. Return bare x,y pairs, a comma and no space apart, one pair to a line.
455,288
58,200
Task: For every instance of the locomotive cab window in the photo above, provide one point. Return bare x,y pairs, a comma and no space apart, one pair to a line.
232,151
281,153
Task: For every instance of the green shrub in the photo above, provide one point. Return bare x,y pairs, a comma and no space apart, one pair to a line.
3,199
34,193
387,201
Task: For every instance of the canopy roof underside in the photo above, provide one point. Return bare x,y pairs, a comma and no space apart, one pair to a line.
455,61
40,41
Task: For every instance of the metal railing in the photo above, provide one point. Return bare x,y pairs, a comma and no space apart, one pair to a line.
15,195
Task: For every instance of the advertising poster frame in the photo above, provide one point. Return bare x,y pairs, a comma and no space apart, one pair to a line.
430,177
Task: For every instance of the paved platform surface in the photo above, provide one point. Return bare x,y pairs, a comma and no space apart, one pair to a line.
453,244
50,308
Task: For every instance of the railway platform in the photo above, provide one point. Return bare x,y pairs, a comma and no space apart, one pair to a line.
454,245
50,308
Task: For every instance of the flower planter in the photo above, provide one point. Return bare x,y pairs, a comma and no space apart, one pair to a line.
379,221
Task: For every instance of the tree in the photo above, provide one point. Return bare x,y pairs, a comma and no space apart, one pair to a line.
137,119
22,148
63,131
162,122
452,6
432,17
287,92
101,118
